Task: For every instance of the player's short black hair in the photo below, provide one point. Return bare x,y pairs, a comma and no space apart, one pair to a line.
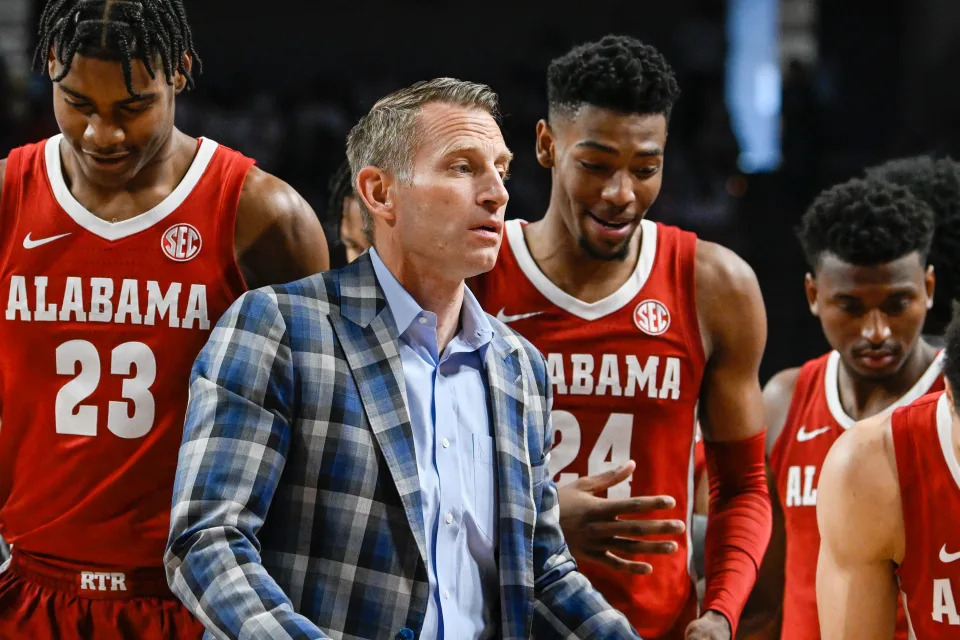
619,73
936,181
120,30
866,222
951,359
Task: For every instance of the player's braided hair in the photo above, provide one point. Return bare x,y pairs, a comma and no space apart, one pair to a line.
866,222
619,73
936,182
121,30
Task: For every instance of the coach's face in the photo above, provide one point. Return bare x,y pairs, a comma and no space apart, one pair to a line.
872,315
449,215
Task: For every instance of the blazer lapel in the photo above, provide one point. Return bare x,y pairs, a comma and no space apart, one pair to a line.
515,489
366,330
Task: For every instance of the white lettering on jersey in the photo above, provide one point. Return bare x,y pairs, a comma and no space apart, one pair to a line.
608,380
554,365
96,299
943,602
609,376
611,450
129,303
801,493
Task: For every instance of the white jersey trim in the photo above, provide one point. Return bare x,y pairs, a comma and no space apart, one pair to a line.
903,601
831,379
585,310
125,228
945,434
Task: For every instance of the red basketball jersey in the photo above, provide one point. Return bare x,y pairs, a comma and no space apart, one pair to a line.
101,327
929,475
626,374
814,422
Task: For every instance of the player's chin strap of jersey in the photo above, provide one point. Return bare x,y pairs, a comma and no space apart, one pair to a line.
738,528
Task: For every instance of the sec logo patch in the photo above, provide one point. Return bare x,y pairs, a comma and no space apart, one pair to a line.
181,242
652,317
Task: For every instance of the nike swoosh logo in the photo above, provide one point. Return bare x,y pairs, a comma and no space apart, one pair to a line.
505,319
803,435
33,244
948,557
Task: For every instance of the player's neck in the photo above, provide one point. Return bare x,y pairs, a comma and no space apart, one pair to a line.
154,182
863,397
560,257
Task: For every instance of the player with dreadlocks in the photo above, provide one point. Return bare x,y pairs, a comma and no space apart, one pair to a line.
641,323
122,241
936,182
867,244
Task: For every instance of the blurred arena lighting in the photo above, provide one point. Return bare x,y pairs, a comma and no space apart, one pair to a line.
753,82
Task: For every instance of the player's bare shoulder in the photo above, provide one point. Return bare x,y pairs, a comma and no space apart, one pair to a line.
274,220
729,303
859,489
777,397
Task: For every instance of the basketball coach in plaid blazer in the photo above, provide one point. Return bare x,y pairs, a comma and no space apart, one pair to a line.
366,452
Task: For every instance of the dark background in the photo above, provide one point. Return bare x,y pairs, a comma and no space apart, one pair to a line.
284,81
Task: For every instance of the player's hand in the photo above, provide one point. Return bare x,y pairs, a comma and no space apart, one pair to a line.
710,626
593,529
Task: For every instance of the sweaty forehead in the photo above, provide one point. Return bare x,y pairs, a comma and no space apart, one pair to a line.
836,273
445,127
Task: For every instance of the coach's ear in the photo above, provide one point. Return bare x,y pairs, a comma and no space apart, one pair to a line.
810,287
375,189
545,144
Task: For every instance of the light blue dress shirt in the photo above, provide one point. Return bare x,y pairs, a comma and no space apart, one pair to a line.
452,434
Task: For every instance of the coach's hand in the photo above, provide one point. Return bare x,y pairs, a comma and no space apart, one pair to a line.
594,530
710,626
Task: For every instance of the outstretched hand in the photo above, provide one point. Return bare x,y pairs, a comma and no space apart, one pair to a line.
593,529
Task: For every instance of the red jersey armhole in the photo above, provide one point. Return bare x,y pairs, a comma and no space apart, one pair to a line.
238,168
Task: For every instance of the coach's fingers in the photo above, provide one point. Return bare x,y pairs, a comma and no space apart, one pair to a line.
633,528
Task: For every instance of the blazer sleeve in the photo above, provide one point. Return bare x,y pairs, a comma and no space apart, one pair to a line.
235,442
566,604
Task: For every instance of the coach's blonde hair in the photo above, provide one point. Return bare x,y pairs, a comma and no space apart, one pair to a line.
388,136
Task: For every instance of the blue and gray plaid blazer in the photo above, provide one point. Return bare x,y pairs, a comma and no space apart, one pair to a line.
297,504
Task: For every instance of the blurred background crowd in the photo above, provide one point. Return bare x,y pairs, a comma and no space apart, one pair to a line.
779,100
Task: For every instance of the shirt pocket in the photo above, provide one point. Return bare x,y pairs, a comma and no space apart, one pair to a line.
484,485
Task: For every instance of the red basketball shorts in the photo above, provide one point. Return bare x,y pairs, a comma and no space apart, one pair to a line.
39,601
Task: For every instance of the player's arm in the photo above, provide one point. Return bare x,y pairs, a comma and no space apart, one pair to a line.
858,510
733,323
761,615
278,236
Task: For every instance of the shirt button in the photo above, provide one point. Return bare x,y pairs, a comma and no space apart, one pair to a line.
446,595
445,443
449,518
423,320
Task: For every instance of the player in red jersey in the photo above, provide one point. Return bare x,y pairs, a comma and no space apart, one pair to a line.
888,504
640,322
867,244
122,240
